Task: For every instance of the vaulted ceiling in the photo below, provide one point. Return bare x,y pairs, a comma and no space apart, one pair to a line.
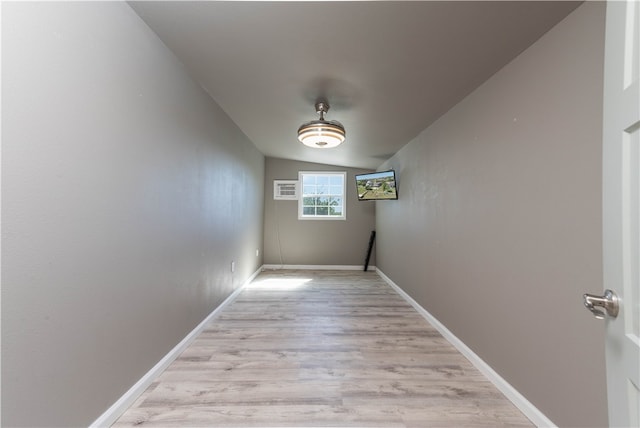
388,68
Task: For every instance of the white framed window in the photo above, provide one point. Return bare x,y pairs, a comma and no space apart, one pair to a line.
322,195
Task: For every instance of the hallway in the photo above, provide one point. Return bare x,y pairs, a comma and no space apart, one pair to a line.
321,348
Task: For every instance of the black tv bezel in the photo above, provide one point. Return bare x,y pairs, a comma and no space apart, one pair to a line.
395,179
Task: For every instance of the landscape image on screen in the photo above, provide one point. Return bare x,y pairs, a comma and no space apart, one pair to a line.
376,186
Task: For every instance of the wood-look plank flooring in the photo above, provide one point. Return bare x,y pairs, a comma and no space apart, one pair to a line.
319,349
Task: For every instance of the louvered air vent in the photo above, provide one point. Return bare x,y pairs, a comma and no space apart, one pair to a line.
285,189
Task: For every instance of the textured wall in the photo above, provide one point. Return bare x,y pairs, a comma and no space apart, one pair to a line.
290,241
126,194
497,231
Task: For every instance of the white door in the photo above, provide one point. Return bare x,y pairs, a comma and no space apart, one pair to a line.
621,212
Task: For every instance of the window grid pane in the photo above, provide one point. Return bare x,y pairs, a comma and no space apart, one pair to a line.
322,195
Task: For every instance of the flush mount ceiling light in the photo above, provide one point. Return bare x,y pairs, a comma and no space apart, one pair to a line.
321,134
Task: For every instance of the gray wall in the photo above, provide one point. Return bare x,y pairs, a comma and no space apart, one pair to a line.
290,241
126,194
497,231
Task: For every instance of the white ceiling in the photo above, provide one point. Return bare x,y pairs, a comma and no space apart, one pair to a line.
388,69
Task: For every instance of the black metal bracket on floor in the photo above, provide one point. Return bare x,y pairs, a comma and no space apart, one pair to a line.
372,239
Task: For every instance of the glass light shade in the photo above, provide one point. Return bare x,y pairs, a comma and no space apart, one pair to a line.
321,134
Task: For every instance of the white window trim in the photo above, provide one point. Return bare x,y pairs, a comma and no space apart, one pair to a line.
301,196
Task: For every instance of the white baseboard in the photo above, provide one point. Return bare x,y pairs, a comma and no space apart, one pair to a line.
317,267
524,405
112,414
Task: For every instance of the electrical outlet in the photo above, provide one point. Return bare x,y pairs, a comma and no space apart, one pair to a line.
257,252
233,267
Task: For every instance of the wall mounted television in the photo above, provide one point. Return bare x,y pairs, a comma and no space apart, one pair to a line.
377,186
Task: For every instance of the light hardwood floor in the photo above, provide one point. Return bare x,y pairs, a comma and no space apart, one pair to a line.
321,348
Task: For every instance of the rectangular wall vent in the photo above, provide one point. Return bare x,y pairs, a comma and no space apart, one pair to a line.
285,189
